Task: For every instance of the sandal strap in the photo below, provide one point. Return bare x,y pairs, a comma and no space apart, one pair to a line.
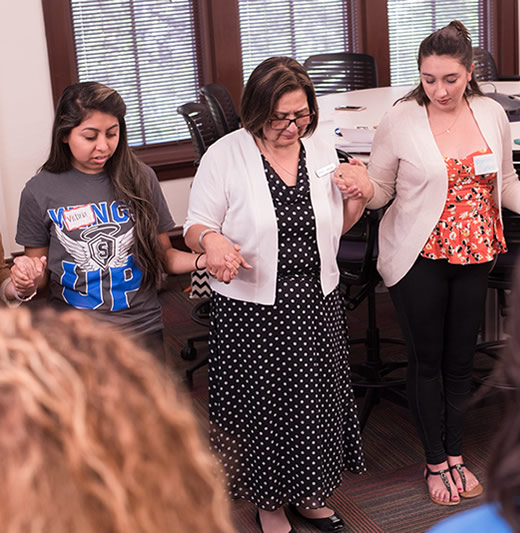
444,477
459,467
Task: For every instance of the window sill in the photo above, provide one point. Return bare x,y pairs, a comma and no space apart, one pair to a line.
169,160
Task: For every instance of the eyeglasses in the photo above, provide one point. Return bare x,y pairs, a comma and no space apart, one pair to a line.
284,123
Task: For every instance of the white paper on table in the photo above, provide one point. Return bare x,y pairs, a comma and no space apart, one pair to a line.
357,140
359,135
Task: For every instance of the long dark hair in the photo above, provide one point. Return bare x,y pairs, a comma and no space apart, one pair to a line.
504,464
453,40
128,176
270,80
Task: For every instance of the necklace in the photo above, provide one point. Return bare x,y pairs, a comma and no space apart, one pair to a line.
448,130
277,163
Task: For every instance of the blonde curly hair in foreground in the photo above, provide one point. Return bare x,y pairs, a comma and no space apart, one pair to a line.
94,437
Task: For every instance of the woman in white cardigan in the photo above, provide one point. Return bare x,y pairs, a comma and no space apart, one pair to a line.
443,154
265,208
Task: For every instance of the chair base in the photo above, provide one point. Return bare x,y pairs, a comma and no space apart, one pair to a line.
199,315
189,352
191,371
374,379
491,349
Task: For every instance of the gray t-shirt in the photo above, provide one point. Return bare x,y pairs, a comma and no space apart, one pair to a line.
90,236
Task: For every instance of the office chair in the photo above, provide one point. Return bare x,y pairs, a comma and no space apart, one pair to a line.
221,106
199,315
500,281
203,129
342,71
357,258
203,132
485,67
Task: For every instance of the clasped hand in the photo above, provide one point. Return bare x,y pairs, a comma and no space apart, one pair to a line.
223,259
27,273
353,182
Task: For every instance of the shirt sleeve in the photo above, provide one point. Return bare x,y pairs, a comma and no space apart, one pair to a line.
510,181
31,230
165,220
208,203
383,163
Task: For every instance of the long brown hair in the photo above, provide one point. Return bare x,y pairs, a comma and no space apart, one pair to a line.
95,437
128,176
453,40
504,464
268,82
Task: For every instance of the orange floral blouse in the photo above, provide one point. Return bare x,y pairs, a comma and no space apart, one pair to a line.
469,229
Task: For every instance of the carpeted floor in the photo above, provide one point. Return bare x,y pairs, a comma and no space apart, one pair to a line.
391,497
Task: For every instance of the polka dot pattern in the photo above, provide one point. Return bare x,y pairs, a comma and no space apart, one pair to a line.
283,420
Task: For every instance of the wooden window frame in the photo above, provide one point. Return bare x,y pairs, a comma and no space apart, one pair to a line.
217,21
221,60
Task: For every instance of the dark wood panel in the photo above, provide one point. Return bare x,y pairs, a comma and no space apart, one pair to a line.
375,39
507,37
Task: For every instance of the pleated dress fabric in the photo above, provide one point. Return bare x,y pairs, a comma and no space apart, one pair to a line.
283,420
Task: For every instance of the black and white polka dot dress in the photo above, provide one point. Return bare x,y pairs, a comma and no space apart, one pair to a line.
282,415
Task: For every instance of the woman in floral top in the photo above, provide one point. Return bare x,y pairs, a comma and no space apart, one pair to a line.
443,154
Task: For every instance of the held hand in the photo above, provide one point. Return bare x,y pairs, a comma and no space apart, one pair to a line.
353,182
223,260
27,273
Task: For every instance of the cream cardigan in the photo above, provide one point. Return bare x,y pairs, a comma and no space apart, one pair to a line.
407,166
230,194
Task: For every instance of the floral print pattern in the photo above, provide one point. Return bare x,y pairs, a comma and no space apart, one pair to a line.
469,229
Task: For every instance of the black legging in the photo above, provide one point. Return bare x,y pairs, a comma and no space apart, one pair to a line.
440,307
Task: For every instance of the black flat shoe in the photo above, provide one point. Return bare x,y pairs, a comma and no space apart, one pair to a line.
331,523
260,524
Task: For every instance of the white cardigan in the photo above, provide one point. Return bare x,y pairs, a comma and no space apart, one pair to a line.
406,164
230,194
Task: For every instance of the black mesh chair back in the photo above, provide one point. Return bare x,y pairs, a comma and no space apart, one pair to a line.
373,377
342,71
485,68
204,133
221,106
202,126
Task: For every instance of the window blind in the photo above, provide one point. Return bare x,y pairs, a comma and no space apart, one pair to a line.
148,51
410,21
295,28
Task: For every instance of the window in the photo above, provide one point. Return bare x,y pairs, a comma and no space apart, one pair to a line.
290,28
157,53
410,21
147,51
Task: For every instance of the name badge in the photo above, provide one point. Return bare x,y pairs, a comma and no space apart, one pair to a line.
79,217
485,164
323,171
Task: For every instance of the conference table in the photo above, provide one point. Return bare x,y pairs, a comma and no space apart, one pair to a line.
371,105
374,103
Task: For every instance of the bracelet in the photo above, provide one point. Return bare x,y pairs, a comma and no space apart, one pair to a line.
197,261
27,298
203,234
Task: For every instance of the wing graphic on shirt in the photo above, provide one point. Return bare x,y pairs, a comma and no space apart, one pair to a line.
99,250
123,244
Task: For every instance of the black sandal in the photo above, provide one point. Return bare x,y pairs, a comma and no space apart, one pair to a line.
444,477
474,492
330,523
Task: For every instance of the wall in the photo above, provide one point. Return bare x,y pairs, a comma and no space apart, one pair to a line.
25,105
26,113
